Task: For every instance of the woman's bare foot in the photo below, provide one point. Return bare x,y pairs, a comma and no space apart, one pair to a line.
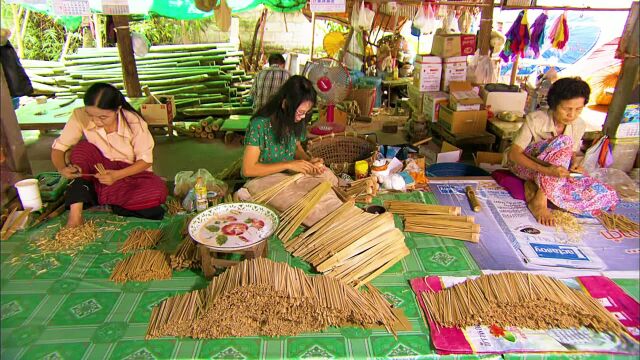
537,204
75,215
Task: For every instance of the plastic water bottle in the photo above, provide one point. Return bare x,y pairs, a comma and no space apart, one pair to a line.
201,195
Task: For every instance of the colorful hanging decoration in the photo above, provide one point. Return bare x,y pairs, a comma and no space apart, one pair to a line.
559,34
537,34
517,38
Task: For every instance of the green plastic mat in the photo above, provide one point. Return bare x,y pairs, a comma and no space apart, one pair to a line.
64,307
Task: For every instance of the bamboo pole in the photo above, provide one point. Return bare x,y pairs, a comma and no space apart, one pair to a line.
313,34
125,50
514,70
97,25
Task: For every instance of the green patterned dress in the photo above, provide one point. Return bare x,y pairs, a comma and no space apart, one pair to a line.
261,134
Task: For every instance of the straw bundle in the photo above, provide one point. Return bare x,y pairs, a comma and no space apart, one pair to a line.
437,220
567,223
351,245
70,238
142,266
362,190
141,239
617,222
294,215
186,255
265,196
259,297
520,300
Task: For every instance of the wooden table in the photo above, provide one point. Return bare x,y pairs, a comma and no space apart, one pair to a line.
504,130
212,260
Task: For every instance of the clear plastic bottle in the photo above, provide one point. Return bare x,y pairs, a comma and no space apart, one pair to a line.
200,190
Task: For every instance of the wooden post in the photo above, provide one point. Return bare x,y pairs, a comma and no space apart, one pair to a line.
65,47
486,22
514,70
98,29
14,163
628,77
345,48
125,49
313,34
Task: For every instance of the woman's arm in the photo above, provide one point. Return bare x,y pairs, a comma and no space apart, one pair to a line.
300,153
68,171
517,155
251,166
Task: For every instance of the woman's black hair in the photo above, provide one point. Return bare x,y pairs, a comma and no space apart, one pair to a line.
107,97
281,108
567,89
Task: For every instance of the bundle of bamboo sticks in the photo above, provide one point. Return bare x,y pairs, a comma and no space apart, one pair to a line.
265,196
363,190
186,255
294,215
142,266
141,239
437,220
259,297
620,222
518,299
351,245
206,128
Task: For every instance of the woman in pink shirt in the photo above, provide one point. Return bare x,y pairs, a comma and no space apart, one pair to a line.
108,131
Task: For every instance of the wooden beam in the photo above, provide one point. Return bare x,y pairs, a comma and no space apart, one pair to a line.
628,77
125,49
313,34
567,8
486,22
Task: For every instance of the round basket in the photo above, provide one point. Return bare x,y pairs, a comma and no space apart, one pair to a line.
341,151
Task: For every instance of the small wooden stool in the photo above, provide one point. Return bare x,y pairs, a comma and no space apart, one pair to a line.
211,260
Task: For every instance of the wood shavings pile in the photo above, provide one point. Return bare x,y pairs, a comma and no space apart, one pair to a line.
259,297
568,224
520,300
70,238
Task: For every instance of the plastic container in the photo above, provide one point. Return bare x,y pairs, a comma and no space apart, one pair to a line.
361,169
200,190
29,194
455,169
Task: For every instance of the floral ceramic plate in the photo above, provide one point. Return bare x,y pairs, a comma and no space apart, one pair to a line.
233,226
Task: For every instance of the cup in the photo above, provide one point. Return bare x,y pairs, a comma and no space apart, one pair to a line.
29,193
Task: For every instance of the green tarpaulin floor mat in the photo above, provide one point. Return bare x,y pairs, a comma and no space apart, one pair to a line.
236,123
64,307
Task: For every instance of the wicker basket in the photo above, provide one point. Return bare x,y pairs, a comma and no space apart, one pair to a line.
341,151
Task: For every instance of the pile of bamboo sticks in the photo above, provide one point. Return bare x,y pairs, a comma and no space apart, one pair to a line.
141,239
186,255
146,265
259,297
70,239
266,195
351,245
437,220
294,215
362,190
520,300
619,222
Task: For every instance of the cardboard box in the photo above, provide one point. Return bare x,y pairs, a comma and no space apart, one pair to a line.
453,69
159,114
498,101
434,154
462,122
463,98
427,73
488,161
448,45
432,102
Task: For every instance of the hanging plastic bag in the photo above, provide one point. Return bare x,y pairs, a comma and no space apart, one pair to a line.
420,20
431,23
355,15
185,181
481,70
450,23
140,44
599,155
365,17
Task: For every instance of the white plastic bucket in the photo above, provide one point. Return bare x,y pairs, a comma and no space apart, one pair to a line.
29,193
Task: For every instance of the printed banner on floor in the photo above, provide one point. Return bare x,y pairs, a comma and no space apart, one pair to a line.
494,339
512,239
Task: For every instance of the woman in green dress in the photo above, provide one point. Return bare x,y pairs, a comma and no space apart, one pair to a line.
272,143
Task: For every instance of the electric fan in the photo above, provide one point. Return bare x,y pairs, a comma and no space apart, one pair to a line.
332,83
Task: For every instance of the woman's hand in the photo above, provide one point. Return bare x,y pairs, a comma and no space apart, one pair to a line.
577,168
302,166
71,172
557,171
108,177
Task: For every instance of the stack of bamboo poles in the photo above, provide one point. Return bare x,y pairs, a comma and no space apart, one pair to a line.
518,300
259,297
204,78
363,190
141,239
207,128
438,220
351,245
